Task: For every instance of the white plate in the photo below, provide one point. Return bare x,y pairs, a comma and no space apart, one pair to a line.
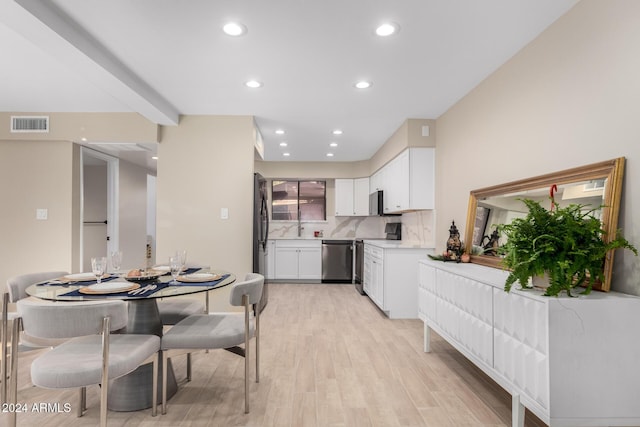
161,268
81,277
114,286
198,277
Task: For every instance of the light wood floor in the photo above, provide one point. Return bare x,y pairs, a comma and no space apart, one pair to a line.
329,358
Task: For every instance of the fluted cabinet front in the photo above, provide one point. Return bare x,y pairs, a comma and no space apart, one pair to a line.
571,361
520,344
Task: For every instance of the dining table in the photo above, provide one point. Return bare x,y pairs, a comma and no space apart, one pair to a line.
133,391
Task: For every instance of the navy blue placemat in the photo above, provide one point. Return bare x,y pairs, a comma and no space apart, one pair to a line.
159,286
124,294
186,271
211,283
84,282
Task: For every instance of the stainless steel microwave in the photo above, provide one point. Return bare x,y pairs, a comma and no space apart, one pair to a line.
376,205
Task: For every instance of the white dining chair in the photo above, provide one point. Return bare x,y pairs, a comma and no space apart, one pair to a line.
91,355
16,290
220,331
176,309
17,285
4,337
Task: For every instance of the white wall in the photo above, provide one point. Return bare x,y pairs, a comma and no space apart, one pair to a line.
568,99
205,164
37,175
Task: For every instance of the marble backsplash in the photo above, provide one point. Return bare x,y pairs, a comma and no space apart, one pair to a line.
417,227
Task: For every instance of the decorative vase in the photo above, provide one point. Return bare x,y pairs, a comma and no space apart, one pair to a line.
540,281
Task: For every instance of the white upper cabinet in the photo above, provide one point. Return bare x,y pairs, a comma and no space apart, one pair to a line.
344,197
361,196
410,181
352,197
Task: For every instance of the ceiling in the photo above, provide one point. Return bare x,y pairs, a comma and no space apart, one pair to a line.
165,58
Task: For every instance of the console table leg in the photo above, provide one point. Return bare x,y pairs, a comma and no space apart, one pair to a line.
427,338
517,411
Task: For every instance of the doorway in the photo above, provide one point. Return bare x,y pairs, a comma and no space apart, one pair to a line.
99,206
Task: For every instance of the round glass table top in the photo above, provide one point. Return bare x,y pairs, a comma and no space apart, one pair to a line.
163,286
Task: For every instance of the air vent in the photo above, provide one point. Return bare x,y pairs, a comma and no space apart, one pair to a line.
30,124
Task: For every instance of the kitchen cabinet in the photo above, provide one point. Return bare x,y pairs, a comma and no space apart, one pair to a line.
390,277
410,181
570,361
298,259
377,180
352,197
271,259
373,274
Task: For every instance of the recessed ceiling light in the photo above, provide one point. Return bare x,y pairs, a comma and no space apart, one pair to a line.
234,29
83,139
363,84
154,157
286,154
337,132
329,154
283,144
333,144
253,84
279,132
387,29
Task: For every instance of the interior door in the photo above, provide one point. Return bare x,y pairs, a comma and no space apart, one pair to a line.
99,206
94,224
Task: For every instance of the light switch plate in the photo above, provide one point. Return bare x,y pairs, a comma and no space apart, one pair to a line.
42,214
224,213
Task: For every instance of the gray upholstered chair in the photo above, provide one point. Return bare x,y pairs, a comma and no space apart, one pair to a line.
4,332
17,285
175,309
220,330
16,290
91,355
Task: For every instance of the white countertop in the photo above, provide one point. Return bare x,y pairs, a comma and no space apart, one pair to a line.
381,242
398,244
313,238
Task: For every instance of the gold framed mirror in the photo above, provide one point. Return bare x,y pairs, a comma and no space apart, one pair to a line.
595,185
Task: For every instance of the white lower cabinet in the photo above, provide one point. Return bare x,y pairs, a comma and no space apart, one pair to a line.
298,260
271,259
570,361
390,278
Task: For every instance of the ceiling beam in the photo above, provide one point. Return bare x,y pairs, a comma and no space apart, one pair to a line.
62,37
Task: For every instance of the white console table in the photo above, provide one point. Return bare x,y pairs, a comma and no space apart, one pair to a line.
570,361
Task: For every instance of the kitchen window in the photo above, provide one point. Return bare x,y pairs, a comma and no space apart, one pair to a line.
305,200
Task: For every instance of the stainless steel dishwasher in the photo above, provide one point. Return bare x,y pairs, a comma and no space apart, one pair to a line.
337,261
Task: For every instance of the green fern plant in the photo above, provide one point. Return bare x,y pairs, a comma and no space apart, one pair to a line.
568,244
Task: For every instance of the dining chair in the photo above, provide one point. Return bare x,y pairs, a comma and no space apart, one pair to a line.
17,285
16,290
220,331
90,355
4,332
177,309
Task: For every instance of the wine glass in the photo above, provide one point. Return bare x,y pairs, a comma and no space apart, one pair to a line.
182,254
176,267
116,262
98,265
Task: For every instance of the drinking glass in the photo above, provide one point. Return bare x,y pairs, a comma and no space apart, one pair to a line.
176,267
116,262
98,265
182,254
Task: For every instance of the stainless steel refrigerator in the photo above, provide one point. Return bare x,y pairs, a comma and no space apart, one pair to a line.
260,232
